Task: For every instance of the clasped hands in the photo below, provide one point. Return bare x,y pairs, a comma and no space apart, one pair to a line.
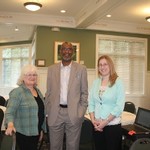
99,124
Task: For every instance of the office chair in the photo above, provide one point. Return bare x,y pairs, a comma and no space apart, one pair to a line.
2,101
130,107
44,144
1,118
141,144
1,121
86,137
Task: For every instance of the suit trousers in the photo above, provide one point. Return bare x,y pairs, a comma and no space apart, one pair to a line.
63,126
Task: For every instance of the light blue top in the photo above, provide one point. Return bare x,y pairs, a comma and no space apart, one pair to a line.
112,100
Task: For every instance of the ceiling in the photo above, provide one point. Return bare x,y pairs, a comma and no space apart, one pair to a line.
126,16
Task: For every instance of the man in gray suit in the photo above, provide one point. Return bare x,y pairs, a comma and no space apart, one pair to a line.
66,100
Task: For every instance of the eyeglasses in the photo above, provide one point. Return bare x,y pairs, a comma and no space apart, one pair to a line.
69,49
103,65
31,75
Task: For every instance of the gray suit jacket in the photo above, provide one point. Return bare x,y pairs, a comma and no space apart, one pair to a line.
77,93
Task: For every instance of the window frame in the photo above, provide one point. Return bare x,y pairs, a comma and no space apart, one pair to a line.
6,89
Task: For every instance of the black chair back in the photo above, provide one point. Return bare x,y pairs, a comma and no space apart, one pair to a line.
8,142
141,144
2,101
1,118
44,143
130,107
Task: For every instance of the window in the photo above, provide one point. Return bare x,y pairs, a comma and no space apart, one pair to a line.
129,57
12,60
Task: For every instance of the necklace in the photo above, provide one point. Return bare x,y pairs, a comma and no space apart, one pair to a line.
101,92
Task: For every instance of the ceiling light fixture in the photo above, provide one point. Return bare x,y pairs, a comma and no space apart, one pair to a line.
63,11
148,19
16,29
56,29
108,16
32,6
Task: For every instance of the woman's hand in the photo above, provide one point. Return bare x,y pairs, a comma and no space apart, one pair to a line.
41,135
10,129
96,124
101,125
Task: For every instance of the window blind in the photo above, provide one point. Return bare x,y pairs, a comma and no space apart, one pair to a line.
129,57
12,59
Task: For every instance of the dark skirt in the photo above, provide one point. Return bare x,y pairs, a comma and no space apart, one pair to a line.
26,142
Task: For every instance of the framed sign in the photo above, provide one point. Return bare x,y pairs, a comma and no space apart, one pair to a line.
76,55
40,62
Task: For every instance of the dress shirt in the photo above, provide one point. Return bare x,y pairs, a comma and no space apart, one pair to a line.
65,74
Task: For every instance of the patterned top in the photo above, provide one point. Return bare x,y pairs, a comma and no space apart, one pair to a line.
22,110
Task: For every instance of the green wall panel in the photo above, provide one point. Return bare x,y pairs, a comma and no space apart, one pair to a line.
87,39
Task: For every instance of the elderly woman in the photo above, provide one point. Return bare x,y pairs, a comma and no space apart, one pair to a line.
25,110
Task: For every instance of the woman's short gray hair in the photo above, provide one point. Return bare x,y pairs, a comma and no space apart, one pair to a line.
26,69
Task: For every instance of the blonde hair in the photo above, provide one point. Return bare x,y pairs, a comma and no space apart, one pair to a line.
113,75
26,69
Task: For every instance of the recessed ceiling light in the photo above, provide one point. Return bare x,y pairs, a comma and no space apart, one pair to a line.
16,29
63,11
108,16
56,29
148,19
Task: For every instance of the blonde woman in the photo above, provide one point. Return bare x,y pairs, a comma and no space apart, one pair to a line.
106,103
